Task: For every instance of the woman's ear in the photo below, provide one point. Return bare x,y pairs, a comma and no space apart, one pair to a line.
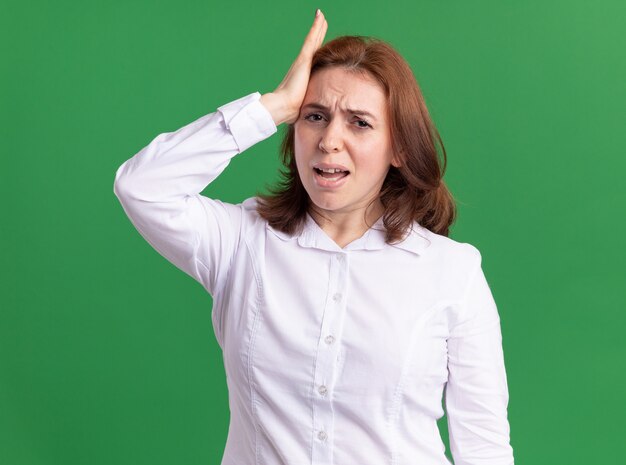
396,161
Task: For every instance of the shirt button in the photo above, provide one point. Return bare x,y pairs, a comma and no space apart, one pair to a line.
339,257
322,390
337,297
322,435
329,339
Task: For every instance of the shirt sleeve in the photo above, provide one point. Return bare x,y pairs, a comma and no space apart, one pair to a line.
477,392
159,189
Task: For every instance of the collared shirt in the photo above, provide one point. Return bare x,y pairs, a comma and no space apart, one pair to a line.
332,355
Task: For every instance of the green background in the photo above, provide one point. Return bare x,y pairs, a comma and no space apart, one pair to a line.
107,354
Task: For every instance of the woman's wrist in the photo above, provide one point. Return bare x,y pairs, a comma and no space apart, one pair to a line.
276,107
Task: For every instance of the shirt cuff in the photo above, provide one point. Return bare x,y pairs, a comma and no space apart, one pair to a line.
248,120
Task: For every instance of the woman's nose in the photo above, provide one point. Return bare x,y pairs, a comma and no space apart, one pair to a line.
332,137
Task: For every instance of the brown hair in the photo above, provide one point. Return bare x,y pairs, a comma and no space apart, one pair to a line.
413,191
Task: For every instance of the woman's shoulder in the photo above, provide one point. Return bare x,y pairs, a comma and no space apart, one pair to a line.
445,247
252,218
249,205
248,212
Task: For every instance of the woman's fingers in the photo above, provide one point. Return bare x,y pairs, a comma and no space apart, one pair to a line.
315,36
321,35
284,103
323,30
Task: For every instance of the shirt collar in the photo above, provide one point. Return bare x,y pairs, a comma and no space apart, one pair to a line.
373,239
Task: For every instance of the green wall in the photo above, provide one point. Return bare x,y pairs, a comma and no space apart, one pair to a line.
107,354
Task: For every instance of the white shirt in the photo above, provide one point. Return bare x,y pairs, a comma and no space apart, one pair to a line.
332,355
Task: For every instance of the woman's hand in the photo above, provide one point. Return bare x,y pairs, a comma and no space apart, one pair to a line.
285,102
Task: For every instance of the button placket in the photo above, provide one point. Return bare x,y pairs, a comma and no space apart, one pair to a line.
326,359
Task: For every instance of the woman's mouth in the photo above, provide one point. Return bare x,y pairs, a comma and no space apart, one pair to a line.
331,177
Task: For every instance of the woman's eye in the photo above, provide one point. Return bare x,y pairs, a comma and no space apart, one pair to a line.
311,116
316,117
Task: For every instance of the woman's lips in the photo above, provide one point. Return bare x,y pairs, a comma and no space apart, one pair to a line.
326,166
337,179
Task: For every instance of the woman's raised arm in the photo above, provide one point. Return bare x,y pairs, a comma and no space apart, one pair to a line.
159,187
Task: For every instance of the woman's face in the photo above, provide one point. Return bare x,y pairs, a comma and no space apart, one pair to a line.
333,131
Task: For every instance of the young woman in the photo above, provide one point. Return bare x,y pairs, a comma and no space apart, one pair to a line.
342,308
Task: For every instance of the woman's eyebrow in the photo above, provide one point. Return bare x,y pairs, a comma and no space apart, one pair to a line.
319,106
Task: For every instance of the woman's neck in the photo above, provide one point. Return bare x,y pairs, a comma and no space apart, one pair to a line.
346,227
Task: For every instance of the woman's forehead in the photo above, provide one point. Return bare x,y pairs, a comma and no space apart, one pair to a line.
337,88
